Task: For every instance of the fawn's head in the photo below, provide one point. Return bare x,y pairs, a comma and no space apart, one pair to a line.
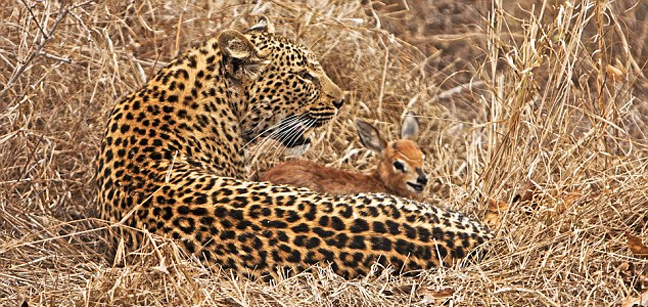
401,161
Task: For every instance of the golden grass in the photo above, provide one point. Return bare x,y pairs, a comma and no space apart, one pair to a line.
553,93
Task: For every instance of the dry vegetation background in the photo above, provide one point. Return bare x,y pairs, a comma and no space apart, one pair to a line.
546,97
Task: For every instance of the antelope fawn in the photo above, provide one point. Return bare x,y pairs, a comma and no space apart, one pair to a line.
399,170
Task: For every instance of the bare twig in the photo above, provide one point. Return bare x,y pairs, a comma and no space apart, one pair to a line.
25,63
67,60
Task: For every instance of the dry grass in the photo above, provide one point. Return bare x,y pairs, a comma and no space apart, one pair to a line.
552,94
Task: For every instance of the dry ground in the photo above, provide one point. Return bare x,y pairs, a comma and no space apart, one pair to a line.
551,94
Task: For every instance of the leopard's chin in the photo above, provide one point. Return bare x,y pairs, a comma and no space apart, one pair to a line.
296,151
295,140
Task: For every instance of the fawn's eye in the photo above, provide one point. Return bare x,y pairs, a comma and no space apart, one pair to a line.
398,165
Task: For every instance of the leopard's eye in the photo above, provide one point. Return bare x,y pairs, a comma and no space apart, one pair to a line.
305,74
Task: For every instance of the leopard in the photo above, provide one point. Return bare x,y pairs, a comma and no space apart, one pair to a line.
171,163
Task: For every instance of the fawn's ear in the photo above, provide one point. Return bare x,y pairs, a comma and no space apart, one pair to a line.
242,59
263,25
369,136
410,128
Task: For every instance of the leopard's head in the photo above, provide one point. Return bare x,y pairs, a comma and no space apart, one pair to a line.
283,89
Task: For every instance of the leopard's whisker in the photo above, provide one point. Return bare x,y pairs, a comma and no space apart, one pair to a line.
293,134
278,131
273,127
308,124
289,135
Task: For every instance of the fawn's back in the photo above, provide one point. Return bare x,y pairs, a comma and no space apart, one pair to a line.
323,179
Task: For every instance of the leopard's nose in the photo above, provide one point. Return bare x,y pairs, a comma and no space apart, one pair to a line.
338,103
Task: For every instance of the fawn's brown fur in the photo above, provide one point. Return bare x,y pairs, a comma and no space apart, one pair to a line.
399,171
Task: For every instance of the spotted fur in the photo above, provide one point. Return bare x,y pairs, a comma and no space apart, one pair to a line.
171,162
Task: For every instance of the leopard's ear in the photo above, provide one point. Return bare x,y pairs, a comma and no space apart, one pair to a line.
263,25
242,59
235,45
